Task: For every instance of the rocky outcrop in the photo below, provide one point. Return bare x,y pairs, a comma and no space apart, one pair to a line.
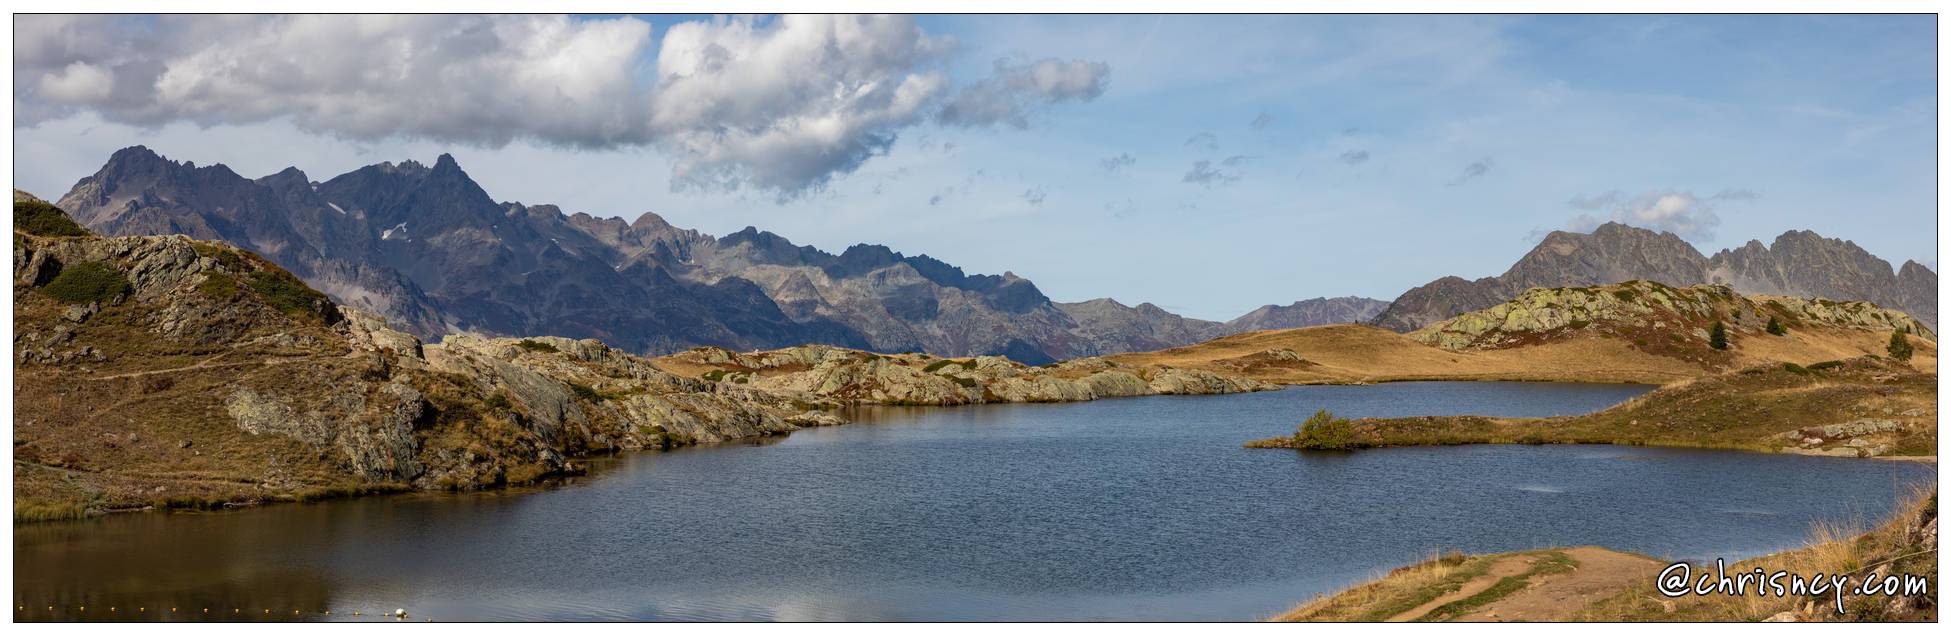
1798,263
1307,313
1651,314
165,368
1115,327
858,377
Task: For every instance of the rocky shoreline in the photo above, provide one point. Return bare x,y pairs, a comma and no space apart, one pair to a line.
190,374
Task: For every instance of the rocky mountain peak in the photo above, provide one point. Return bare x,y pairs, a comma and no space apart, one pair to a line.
1797,263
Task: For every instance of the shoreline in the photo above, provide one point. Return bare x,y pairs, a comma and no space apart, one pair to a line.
1600,584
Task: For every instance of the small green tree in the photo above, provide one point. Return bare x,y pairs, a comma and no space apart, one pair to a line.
1324,431
1717,336
1775,327
1899,346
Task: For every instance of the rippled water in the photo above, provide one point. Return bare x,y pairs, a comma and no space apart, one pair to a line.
1139,508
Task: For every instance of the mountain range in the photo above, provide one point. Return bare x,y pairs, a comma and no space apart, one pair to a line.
1797,263
429,249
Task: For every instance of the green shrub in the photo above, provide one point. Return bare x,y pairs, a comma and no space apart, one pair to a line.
1579,324
1717,336
218,285
584,392
497,402
940,364
40,219
1775,327
536,346
715,375
1794,368
227,257
284,292
1625,295
1826,364
1899,346
87,283
1324,431
968,383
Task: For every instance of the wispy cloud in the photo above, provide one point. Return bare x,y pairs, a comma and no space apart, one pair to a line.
1203,141
1474,170
1261,121
1204,173
1113,164
1353,157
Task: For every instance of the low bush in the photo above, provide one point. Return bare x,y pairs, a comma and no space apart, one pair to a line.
218,285
536,346
87,283
41,219
284,292
1324,431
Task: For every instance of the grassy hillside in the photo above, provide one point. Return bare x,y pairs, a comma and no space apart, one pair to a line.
1866,406
1632,332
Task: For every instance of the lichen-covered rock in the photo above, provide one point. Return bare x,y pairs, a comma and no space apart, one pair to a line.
859,377
1647,311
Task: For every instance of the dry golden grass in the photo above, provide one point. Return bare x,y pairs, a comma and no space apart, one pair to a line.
1392,593
1760,408
1900,545
1896,546
1360,353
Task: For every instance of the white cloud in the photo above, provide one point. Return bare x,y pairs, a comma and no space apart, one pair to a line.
777,105
785,106
1683,213
79,82
1012,91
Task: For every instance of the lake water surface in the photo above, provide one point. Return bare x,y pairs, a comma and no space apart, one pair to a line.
1124,509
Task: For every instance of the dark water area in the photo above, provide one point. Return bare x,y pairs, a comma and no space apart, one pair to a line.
1124,509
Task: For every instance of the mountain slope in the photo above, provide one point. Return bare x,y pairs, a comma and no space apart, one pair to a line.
429,249
1798,263
1308,313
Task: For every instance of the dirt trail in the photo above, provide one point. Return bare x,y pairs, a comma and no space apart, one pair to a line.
1507,566
1600,573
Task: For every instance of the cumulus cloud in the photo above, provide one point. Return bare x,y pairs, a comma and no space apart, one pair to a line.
1204,173
787,105
1680,212
1012,91
1203,141
780,105
1113,164
1261,122
1476,169
1353,157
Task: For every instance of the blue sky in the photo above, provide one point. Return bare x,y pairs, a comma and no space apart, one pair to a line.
1343,154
